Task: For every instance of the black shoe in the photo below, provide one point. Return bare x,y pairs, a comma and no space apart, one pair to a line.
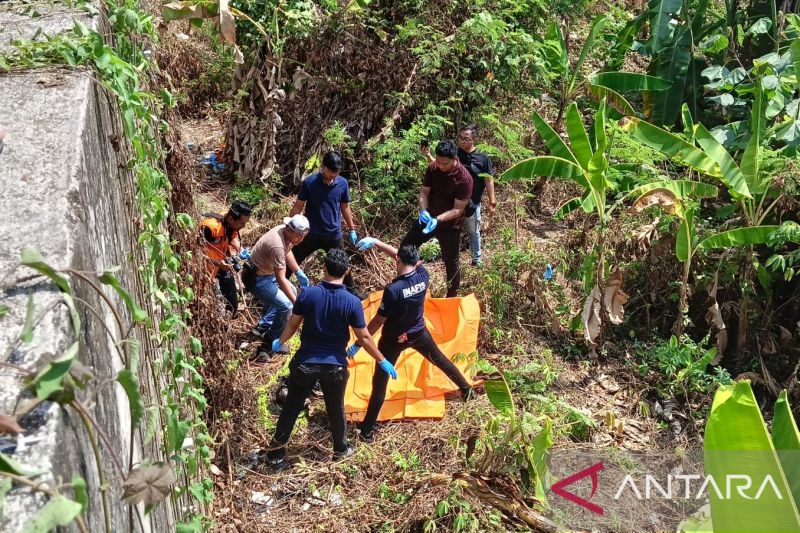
261,356
317,390
259,331
366,436
277,463
477,263
349,452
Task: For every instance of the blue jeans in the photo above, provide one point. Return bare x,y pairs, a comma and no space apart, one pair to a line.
473,226
277,306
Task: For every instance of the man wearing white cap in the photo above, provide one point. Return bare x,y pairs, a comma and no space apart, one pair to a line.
266,276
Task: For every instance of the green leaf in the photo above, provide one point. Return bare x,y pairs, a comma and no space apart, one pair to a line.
786,439
699,365
673,146
74,316
131,386
597,27
27,330
751,157
536,454
152,424
80,492
499,394
59,511
661,12
683,241
568,207
546,166
623,82
33,259
176,430
10,466
5,486
577,136
184,221
196,345
616,100
672,64
760,26
50,380
736,442
554,142
737,237
731,175
138,314
600,139
4,310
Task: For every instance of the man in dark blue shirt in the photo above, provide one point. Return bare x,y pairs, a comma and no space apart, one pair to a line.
328,311
401,315
325,197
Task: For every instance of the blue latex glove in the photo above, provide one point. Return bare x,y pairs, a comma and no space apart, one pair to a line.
432,223
276,345
353,236
424,217
244,254
548,272
353,350
366,243
388,367
302,279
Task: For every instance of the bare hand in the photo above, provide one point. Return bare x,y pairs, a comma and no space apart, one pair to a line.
492,205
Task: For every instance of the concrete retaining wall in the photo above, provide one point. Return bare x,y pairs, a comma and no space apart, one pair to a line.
65,191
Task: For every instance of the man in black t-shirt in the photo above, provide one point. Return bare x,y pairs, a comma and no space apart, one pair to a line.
446,190
401,316
480,168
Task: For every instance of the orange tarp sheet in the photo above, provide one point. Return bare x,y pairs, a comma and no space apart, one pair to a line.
418,391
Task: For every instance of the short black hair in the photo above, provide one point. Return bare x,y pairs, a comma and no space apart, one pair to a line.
239,209
336,262
472,128
447,149
408,254
333,160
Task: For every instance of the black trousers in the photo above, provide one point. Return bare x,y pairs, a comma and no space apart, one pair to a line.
311,244
302,378
391,348
449,242
227,286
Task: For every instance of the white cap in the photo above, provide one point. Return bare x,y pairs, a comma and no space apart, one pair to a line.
297,223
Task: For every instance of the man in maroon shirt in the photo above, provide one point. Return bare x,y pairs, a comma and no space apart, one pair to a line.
446,189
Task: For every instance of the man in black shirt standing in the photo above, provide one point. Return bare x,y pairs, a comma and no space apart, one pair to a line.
401,316
446,190
480,168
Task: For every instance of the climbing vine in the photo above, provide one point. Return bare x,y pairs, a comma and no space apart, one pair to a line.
122,66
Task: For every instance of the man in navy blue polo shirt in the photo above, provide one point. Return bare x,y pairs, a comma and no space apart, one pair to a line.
328,311
325,197
401,316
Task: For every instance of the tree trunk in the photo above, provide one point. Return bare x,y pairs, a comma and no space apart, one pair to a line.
682,305
744,310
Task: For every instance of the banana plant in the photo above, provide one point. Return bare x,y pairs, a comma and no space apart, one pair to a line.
737,443
583,160
679,198
608,85
746,182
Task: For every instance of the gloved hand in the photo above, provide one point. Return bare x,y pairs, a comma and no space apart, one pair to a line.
302,279
388,367
353,236
424,217
276,345
366,243
432,223
353,350
244,254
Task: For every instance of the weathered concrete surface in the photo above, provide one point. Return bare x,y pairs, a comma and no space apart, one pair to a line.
16,21
64,191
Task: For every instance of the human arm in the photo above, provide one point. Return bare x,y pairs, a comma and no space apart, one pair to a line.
426,151
283,283
347,215
490,192
454,213
297,207
236,244
368,242
291,262
291,328
424,193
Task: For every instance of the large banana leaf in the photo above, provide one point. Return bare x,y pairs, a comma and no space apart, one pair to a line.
731,174
661,13
623,82
736,442
554,142
673,146
681,188
684,240
499,394
568,207
750,158
546,166
577,136
737,237
616,100
786,439
597,27
672,63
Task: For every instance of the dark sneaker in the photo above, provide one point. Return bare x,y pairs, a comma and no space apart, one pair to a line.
259,331
366,436
261,356
349,452
276,463
477,263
